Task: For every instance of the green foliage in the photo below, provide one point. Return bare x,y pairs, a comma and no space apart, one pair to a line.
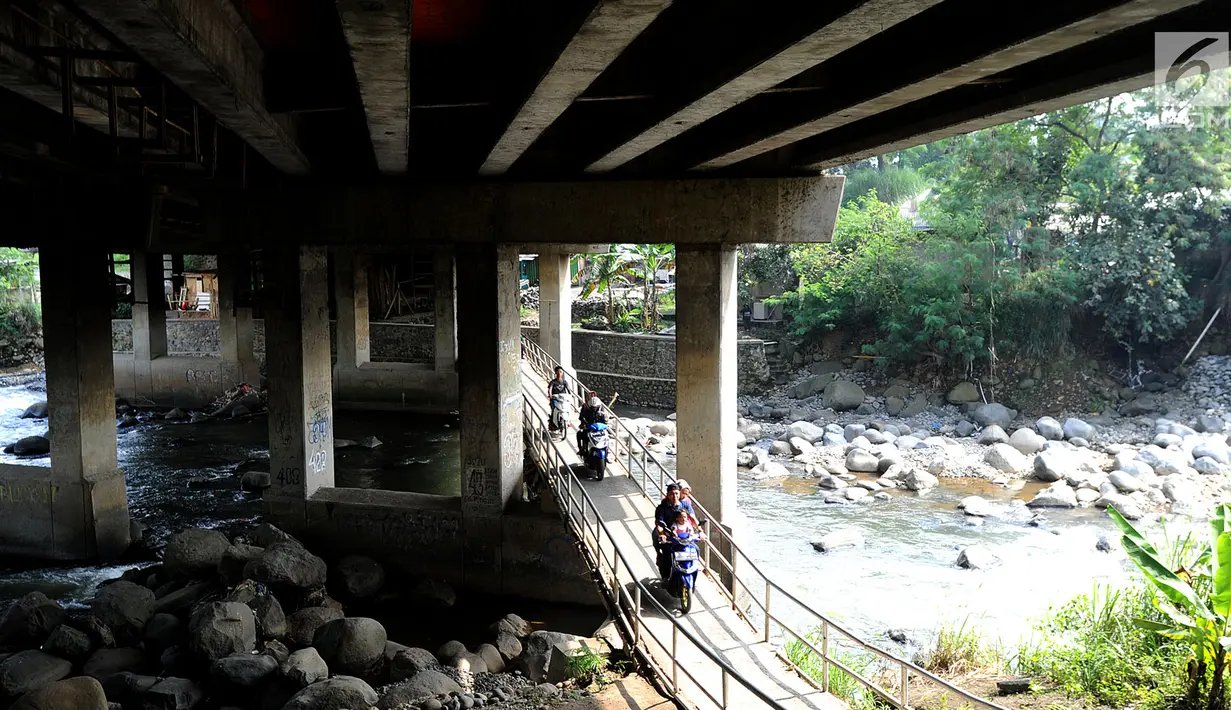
893,185
20,318
841,684
649,260
959,649
603,274
586,667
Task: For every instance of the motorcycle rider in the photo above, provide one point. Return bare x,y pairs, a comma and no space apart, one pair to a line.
591,411
664,520
557,386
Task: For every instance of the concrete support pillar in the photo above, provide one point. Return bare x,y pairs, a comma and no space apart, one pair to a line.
299,383
706,375
351,296
556,307
88,501
489,382
149,318
445,272
236,340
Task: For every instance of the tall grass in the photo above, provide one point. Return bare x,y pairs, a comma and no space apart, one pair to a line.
960,649
841,684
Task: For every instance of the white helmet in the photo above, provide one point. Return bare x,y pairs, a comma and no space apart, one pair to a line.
595,403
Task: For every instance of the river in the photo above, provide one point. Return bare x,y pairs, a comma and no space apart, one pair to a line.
904,575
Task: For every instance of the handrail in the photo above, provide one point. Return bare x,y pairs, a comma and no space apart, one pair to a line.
578,511
545,365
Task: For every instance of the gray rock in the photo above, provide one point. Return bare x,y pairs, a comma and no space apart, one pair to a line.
861,461
31,446
917,479
1121,503
964,392
537,652
1207,466
25,671
837,539
194,553
770,469
1057,495
255,481
425,684
804,430
305,667
173,694
976,506
266,535
289,565
1006,459
67,642
270,619
1054,465
1049,428
508,645
276,650
1165,440
1138,469
964,428
124,607
38,410
1077,429
181,600
993,414
832,439
907,442
337,693
1179,490
780,448
411,661
800,446
1125,482
1208,423
1212,450
1026,441
975,557
843,395
243,670
71,694
850,432
161,632
1079,442
470,662
236,557
351,646
29,621
221,629
106,662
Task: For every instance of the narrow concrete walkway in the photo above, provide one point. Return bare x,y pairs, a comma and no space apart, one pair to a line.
629,517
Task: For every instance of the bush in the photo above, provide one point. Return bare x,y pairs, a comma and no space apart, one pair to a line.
20,319
958,650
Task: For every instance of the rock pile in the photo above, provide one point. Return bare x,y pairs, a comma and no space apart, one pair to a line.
248,623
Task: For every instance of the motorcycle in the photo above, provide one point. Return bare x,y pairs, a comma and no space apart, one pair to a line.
685,565
595,454
558,418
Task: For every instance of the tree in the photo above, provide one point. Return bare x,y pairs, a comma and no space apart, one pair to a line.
651,258
892,185
602,274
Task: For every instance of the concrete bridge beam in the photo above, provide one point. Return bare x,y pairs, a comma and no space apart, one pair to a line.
236,336
445,285
149,316
556,307
351,297
300,385
489,389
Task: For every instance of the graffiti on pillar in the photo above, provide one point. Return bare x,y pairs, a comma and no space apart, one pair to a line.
202,377
321,403
30,493
482,485
318,461
289,477
318,428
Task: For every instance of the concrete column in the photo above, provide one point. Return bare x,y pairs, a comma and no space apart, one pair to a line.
89,504
299,382
489,382
235,332
149,318
446,309
706,376
351,296
556,307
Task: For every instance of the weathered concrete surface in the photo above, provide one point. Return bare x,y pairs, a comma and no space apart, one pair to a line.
174,380
489,404
609,29
422,536
149,318
236,331
300,392
734,211
444,271
403,386
89,517
862,22
379,38
354,344
706,379
1027,50
205,48
556,307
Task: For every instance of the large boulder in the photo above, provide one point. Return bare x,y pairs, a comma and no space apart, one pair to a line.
1054,465
303,624
861,461
537,652
408,662
1006,459
807,431
124,608
1057,495
161,632
29,621
243,670
425,684
25,671
70,643
360,577
1213,450
221,629
38,410
30,446
1122,503
287,564
963,392
1125,482
842,395
351,646
81,693
1179,490
1077,429
338,693
304,667
993,434
231,567
194,553
1027,441
508,645
975,557
173,694
976,506
993,414
1049,428
491,658
916,479
270,619
106,662
837,539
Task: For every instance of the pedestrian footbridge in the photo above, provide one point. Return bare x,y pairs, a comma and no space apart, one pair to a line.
727,651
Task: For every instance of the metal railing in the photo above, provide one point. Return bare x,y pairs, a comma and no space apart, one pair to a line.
646,470
629,598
